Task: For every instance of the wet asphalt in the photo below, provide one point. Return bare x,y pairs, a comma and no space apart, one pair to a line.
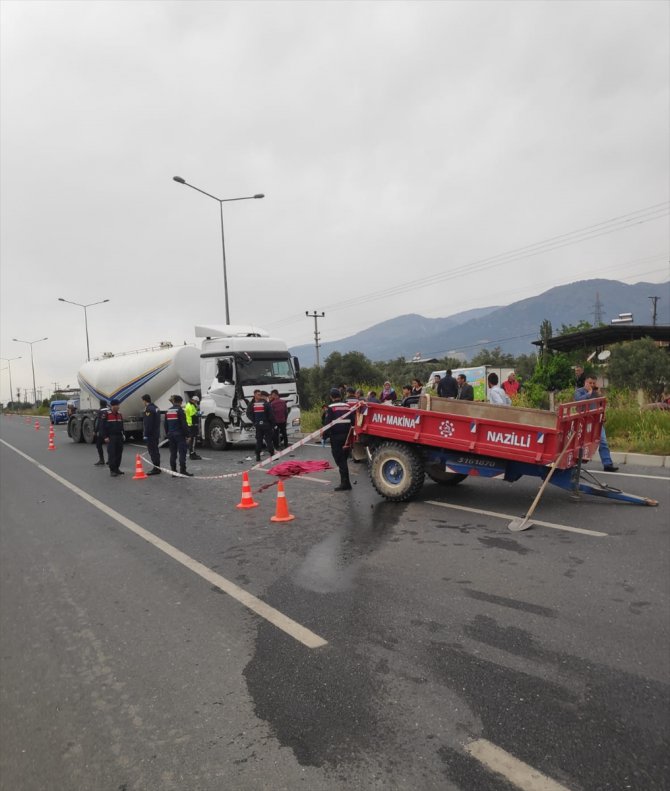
122,670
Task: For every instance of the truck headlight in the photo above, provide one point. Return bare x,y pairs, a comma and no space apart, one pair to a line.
295,421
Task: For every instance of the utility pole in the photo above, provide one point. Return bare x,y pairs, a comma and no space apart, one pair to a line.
316,316
598,311
653,310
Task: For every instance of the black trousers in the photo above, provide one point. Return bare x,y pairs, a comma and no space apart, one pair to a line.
152,449
115,452
177,443
264,432
279,435
340,454
100,444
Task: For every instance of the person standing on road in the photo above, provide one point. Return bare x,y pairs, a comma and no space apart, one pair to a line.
280,415
465,391
338,436
152,433
260,414
98,423
112,432
176,429
447,387
590,390
192,412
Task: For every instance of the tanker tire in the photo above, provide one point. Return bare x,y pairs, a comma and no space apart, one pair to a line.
437,474
75,430
396,471
216,434
87,433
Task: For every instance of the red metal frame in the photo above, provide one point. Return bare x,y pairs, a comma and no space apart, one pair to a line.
579,423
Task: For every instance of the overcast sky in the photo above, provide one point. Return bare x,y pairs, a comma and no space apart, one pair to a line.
397,144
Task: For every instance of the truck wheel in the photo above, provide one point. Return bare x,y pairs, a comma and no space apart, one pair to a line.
216,434
396,471
87,433
437,474
74,430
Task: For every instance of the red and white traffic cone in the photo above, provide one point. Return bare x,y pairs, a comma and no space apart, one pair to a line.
52,445
247,500
139,469
281,511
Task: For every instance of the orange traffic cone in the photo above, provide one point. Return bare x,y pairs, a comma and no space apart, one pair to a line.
52,445
37,425
247,500
139,469
281,512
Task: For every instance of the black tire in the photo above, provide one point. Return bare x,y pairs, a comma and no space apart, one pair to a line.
87,432
396,471
437,474
74,430
216,434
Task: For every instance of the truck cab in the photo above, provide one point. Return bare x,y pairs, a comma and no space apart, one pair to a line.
235,361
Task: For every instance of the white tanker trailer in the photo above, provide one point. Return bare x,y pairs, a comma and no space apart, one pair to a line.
234,361
159,372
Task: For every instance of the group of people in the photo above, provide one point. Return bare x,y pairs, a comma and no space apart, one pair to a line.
181,430
269,414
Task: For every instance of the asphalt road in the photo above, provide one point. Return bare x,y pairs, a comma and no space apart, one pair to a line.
448,639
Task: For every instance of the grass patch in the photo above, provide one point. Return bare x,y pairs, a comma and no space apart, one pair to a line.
634,430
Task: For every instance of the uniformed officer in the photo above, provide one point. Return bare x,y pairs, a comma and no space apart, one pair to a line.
152,432
100,418
176,429
259,413
338,435
192,411
112,432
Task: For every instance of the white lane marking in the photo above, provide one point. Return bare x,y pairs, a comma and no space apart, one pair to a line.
511,516
521,774
636,475
308,478
281,621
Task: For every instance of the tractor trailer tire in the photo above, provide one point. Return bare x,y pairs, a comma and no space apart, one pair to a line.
396,471
437,474
216,434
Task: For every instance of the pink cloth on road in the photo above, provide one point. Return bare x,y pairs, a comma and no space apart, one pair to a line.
287,469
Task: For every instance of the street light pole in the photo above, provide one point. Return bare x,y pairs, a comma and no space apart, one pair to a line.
220,201
90,305
9,361
32,362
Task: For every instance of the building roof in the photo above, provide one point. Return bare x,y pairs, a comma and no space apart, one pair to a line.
599,337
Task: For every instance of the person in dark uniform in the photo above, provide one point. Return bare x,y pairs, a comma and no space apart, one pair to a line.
338,436
447,386
112,432
152,432
260,414
100,418
176,429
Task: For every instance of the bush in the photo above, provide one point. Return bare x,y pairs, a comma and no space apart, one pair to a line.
636,430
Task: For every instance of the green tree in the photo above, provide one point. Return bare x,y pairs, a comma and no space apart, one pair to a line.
580,326
639,364
554,372
351,368
495,357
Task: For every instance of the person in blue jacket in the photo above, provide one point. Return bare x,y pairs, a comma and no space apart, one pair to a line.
260,414
590,390
338,436
176,429
152,432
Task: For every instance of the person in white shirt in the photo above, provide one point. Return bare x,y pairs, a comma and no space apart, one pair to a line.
496,394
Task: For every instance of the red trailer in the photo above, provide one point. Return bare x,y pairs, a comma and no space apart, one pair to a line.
449,440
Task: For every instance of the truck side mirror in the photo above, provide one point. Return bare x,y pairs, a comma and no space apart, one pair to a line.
296,365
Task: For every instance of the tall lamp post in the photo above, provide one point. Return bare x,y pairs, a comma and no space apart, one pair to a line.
9,361
220,201
32,363
90,305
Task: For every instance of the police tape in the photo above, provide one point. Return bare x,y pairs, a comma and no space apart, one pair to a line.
314,435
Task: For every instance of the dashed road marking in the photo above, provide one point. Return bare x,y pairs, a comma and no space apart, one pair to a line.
553,525
278,619
517,772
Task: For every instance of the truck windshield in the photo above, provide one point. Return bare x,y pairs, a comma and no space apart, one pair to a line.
261,371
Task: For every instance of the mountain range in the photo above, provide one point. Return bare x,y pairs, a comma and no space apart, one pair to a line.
512,327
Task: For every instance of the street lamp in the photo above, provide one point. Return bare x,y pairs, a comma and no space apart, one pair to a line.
90,305
9,361
221,201
32,363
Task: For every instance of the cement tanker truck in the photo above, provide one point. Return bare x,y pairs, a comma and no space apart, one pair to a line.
232,363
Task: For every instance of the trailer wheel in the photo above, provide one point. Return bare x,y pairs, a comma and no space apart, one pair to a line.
74,430
396,471
216,434
437,474
87,432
